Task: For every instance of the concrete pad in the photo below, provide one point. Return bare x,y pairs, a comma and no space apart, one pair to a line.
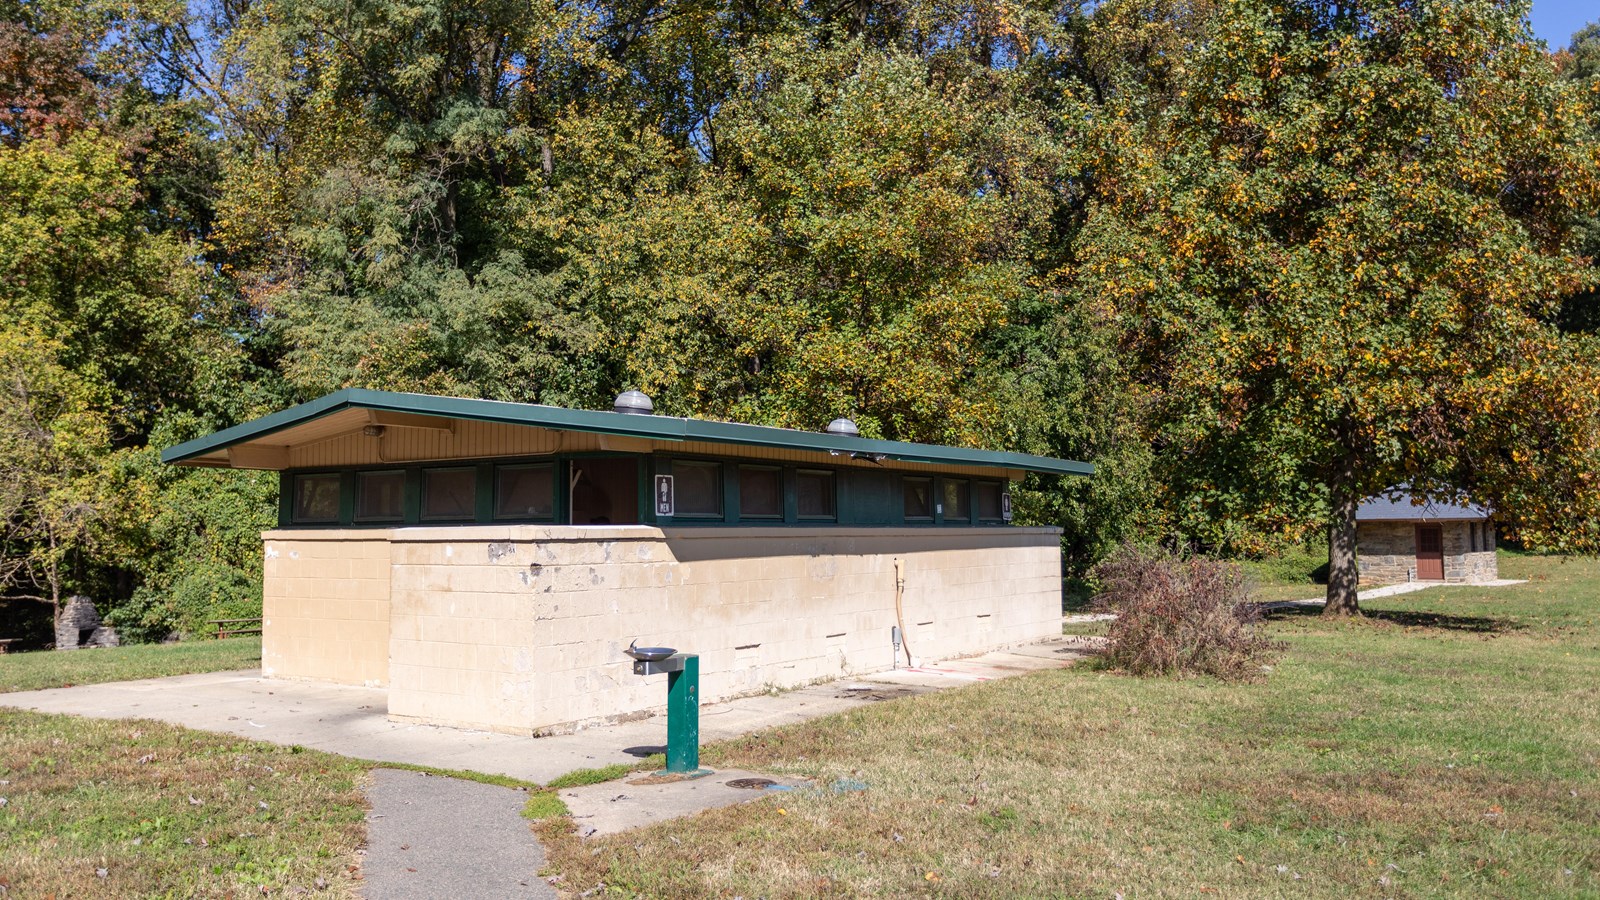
353,721
1392,590
634,802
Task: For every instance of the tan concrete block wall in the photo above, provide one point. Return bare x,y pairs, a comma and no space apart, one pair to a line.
325,606
522,628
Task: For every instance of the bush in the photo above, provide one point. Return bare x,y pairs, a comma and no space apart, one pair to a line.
1181,616
1291,564
187,605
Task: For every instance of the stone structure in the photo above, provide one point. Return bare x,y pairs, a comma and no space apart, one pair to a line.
79,626
488,563
1398,541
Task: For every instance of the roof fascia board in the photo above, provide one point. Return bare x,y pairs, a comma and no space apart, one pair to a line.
660,428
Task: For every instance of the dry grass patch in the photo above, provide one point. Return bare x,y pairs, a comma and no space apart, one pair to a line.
1450,749
131,808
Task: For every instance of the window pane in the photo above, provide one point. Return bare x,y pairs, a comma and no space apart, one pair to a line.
919,498
380,495
605,491
760,493
986,499
525,492
697,487
316,498
449,493
814,491
955,501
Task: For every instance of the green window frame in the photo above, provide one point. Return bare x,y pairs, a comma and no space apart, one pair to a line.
696,489
750,485
823,504
311,488
508,478
986,503
917,499
955,500
710,490
432,490
386,486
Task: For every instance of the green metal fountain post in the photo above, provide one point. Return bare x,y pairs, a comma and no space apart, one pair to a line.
683,717
683,711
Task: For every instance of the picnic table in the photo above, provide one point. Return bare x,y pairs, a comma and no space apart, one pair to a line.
224,631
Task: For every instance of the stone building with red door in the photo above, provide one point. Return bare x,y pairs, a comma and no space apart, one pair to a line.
1400,537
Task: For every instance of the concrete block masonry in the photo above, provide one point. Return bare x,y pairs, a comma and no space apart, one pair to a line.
520,629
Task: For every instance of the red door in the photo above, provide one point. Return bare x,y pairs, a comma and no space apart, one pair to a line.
1430,553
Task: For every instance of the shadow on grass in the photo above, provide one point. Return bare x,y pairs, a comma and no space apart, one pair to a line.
1407,619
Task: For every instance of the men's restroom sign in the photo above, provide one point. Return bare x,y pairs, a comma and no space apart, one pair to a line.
1005,506
664,496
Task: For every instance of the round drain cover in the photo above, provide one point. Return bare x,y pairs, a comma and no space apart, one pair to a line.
754,784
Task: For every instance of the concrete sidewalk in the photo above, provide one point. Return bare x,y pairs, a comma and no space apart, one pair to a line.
444,837
1388,590
352,721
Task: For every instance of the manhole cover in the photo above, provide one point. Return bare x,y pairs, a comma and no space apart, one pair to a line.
752,784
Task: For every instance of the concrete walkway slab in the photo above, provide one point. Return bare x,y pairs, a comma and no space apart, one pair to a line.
431,837
634,802
352,721
1390,590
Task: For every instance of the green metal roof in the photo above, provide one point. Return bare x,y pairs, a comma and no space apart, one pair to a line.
660,428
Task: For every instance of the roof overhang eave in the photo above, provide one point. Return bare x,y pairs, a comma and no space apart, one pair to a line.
657,428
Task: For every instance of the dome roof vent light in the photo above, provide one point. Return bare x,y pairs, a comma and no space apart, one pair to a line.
634,403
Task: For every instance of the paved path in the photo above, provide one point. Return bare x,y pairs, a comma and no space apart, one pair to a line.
352,721
431,837
1390,590
434,837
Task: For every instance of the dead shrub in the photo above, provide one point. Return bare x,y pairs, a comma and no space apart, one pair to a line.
1181,615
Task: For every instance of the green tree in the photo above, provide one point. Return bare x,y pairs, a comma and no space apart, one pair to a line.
1336,257
1580,64
109,332
78,265
859,240
52,440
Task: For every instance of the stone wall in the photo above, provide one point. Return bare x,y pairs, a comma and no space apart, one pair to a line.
1461,562
79,626
522,628
325,607
1387,552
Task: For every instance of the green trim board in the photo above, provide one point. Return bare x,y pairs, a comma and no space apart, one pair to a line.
650,427
860,496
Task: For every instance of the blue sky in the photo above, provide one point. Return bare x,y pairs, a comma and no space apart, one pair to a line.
1556,20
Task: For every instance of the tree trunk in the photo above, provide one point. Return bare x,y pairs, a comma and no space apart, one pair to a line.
1342,571
52,573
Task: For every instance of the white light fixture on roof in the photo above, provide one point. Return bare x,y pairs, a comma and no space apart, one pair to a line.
634,403
843,427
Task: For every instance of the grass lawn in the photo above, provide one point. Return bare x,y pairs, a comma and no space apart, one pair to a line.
1448,745
50,669
137,808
